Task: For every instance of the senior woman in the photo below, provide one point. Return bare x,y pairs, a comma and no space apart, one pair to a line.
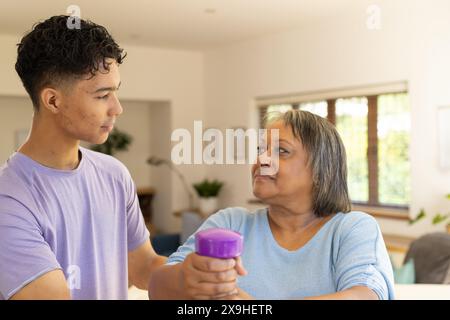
305,244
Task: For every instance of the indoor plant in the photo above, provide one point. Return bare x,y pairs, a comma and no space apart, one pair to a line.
117,141
437,218
208,192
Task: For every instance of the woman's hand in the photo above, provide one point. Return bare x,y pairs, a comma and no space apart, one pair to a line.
209,278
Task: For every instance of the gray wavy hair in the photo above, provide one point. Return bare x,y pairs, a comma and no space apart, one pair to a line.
326,157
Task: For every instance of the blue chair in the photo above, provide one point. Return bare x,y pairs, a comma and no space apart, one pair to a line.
165,244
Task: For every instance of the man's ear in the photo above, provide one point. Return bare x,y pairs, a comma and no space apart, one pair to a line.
51,99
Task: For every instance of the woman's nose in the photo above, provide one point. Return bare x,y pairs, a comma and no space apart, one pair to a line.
264,159
267,164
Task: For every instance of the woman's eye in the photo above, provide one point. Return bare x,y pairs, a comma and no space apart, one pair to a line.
282,151
103,97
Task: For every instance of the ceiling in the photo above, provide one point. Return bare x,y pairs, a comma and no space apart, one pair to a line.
186,24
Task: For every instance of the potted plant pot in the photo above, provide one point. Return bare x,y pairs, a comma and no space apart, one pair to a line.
208,192
208,205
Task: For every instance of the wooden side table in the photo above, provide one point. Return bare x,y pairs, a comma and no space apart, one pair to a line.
145,196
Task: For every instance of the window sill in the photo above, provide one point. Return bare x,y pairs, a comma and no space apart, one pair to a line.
383,212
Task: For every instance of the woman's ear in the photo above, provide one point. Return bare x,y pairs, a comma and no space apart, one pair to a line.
51,100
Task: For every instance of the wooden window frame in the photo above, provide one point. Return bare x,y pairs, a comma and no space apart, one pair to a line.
372,150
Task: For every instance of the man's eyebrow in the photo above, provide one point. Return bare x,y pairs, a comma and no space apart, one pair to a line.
108,88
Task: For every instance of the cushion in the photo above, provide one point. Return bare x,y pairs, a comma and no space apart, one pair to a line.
405,274
431,255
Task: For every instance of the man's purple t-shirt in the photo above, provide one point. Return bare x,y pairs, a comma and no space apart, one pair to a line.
82,221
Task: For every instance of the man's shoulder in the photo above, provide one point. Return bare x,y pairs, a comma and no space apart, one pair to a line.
10,181
14,191
105,163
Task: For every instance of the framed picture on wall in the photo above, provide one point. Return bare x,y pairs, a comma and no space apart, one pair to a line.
20,137
444,136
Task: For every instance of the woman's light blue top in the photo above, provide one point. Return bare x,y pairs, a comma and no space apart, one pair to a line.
347,251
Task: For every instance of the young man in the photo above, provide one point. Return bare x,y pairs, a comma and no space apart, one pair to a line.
70,222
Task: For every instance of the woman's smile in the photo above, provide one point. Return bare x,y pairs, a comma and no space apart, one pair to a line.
260,177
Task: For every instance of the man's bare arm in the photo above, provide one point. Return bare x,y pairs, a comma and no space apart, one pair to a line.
50,286
141,264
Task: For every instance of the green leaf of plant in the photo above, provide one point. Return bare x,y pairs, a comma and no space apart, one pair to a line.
438,218
117,141
420,216
206,188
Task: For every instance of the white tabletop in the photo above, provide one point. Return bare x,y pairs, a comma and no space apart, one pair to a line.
402,292
422,291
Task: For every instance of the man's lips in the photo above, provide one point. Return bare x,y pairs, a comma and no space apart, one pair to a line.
108,127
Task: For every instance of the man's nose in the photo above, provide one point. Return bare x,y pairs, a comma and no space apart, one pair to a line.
116,108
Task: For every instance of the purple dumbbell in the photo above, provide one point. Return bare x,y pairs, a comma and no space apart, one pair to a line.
219,243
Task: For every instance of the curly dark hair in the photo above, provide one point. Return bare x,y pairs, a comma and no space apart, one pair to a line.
52,52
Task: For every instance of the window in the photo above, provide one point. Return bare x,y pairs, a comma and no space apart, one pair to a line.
393,131
351,123
375,130
319,107
279,107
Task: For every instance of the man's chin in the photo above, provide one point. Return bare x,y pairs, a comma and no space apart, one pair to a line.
97,140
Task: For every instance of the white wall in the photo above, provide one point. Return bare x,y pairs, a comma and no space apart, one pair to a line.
148,74
160,131
15,117
175,76
135,120
431,89
337,53
10,84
